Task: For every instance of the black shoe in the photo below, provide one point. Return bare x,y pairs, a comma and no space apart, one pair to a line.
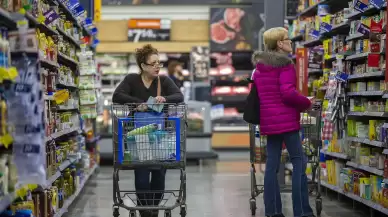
277,215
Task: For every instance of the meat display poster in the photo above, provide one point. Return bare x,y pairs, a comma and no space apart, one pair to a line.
200,63
234,29
301,71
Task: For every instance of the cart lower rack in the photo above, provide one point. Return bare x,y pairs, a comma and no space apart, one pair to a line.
149,141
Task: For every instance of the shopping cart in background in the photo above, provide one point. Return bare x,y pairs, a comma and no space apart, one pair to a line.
311,141
151,140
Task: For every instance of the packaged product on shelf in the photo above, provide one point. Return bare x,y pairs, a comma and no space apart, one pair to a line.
365,188
25,115
87,97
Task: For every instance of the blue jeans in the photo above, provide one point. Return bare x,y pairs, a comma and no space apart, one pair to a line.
155,187
300,195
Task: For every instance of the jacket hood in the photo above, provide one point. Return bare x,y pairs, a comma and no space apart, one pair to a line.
269,60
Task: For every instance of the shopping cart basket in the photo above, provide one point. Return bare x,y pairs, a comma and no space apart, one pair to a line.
154,141
311,141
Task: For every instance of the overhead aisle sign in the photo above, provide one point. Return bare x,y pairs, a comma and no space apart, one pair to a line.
140,30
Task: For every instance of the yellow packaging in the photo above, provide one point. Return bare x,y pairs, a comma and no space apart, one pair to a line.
372,129
365,47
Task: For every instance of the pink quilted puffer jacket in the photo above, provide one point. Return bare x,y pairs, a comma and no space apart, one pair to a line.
280,102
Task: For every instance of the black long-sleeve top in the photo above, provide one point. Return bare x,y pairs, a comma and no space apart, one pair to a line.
132,90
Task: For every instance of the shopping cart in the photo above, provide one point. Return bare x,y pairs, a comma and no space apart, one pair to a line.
311,141
154,141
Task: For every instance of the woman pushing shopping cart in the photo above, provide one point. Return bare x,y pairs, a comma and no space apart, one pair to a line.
149,135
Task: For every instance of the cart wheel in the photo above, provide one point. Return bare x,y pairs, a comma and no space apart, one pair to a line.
252,203
132,214
183,211
116,212
318,206
167,213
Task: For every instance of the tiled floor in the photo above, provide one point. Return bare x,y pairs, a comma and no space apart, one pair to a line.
219,189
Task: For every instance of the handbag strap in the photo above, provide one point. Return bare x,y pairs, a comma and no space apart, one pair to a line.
158,90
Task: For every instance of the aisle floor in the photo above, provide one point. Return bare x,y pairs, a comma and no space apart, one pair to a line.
219,189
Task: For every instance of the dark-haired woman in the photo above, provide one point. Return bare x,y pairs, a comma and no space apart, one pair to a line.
137,88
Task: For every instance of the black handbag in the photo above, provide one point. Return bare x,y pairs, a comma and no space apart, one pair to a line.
252,106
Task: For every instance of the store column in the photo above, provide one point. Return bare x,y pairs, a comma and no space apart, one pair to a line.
274,12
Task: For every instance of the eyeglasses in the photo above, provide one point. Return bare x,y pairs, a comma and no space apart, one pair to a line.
287,39
155,65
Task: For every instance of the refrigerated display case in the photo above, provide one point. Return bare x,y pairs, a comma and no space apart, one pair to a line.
199,131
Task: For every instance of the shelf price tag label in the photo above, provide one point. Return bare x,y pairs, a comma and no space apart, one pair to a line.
360,6
377,3
325,27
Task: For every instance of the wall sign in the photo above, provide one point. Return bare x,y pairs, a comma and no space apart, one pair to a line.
234,28
301,71
149,30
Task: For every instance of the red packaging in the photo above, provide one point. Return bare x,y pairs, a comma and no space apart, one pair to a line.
374,60
386,169
376,25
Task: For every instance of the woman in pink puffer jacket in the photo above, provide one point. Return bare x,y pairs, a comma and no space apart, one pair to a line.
280,108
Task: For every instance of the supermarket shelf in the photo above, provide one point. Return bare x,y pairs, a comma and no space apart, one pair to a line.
48,63
6,20
335,154
369,203
367,75
366,141
67,86
365,168
46,29
312,43
66,59
68,37
61,133
71,199
340,26
366,93
65,164
371,114
355,36
315,71
70,15
297,38
9,198
357,56
368,12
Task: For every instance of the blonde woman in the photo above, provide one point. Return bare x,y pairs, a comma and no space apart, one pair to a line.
280,108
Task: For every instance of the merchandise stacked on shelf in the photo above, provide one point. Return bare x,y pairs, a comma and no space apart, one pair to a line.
353,158
47,164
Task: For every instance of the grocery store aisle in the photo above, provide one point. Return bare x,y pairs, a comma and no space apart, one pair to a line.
215,190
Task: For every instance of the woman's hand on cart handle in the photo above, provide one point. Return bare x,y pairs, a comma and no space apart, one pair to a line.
160,99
